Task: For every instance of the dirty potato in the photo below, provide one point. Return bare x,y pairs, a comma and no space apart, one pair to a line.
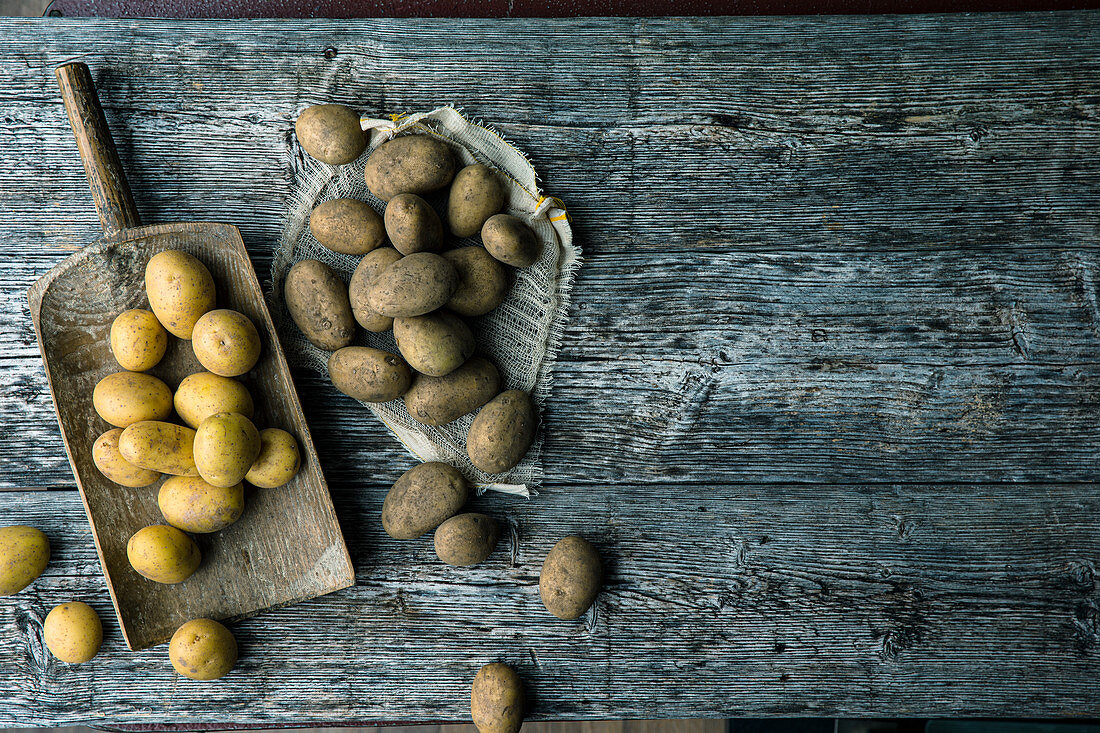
502,432
369,267
369,375
412,225
109,461
125,398
570,578
435,344
422,499
414,285
180,290
330,133
440,400
476,194
496,700
193,505
138,341
482,281
466,539
409,164
510,240
347,226
318,302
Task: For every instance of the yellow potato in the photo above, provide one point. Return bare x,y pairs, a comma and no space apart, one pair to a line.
163,554
73,632
125,398
159,446
180,290
109,461
278,461
496,699
226,446
138,341
24,554
203,649
226,342
191,504
204,394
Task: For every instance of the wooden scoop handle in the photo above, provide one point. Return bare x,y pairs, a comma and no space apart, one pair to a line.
111,192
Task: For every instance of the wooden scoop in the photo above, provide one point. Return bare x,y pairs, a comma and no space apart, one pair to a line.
287,546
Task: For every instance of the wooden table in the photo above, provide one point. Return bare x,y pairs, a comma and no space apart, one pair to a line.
829,401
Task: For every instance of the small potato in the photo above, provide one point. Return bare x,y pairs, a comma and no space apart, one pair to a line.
180,290
278,462
163,554
226,446
476,194
73,632
570,578
318,302
226,342
24,555
409,164
109,461
369,267
159,446
440,400
482,281
466,539
138,341
412,225
203,649
330,133
496,699
191,504
203,394
502,432
435,344
422,499
125,398
347,226
414,285
369,375
510,240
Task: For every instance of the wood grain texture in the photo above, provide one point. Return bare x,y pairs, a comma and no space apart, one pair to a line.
826,404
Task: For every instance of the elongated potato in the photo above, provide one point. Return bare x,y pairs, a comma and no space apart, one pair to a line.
318,302
412,225
422,499
109,461
440,400
510,240
476,194
369,267
347,226
482,281
409,164
203,394
435,344
125,398
180,290
369,375
226,446
414,285
193,505
502,432
159,446
496,700
331,133
138,341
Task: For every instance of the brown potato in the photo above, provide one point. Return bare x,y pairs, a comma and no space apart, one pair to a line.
318,302
125,398
159,446
496,700
226,342
412,225
409,164
422,499
180,290
369,375
510,240
347,226
435,344
466,539
331,133
193,505
369,267
109,461
414,285
502,432
476,194
482,281
138,341
440,400
570,578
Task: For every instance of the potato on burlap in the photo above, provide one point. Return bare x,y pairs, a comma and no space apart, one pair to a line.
482,281
440,400
369,375
318,302
476,194
414,285
369,267
502,432
347,226
331,133
510,240
409,164
412,225
435,344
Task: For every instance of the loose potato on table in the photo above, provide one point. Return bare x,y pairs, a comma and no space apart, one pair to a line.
570,578
163,554
435,344
413,285
125,398
73,632
331,133
369,375
466,539
412,225
496,700
203,649
278,462
203,394
369,267
440,400
482,281
159,446
180,290
226,446
510,240
409,164
138,341
502,432
347,226
318,302
193,505
422,499
476,194
24,555
108,459
226,342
